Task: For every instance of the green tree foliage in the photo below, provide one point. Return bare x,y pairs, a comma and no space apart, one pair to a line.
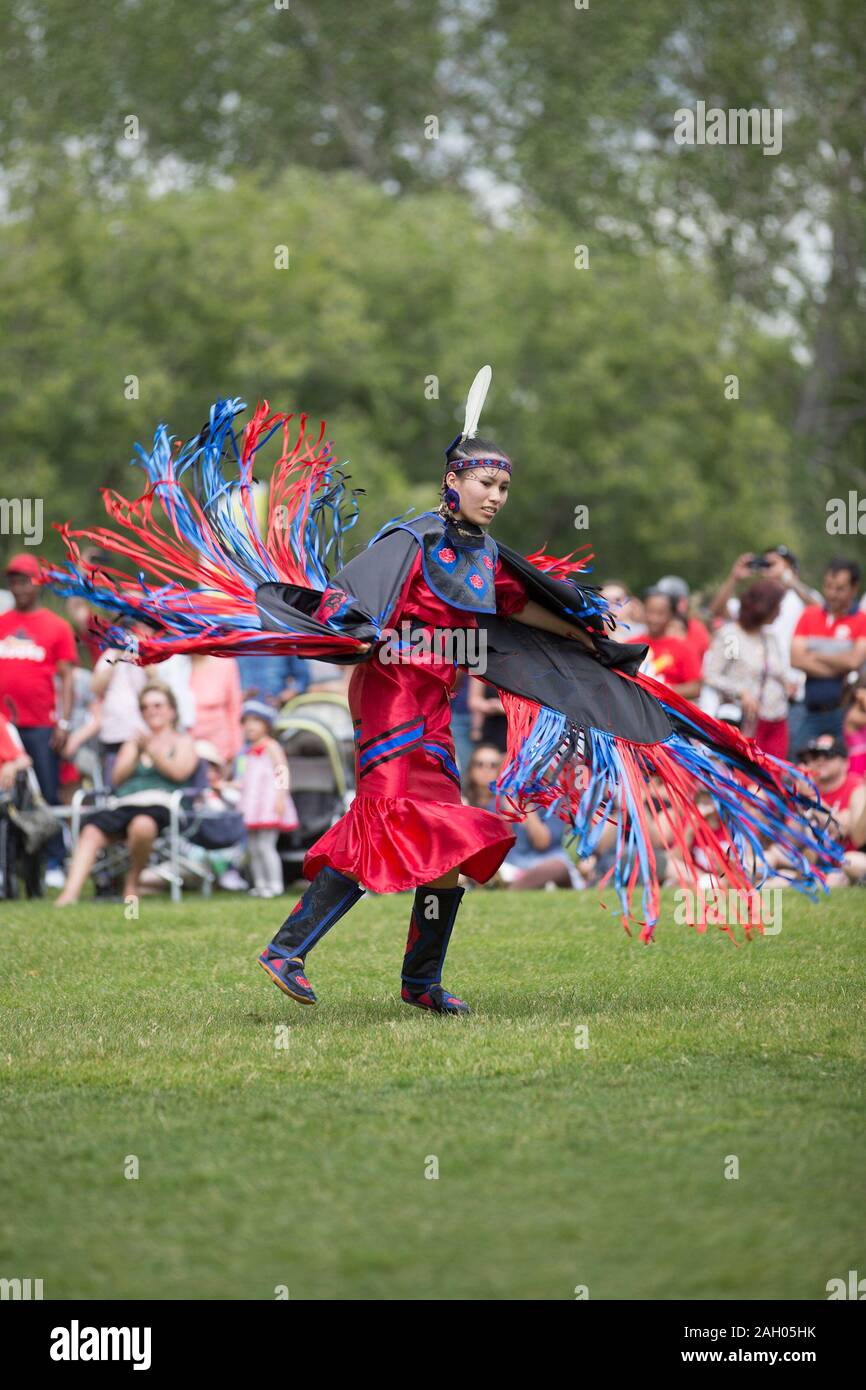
582,120
608,387
223,85
556,122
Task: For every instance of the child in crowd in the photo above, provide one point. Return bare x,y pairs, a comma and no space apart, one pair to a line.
265,802
224,833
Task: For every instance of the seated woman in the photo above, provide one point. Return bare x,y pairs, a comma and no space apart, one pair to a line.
539,859
148,768
484,767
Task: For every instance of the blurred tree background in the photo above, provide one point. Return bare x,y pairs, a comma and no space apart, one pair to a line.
154,156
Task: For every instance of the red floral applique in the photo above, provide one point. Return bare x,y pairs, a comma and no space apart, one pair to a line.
333,599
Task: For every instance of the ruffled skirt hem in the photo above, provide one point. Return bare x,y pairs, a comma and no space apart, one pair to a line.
392,844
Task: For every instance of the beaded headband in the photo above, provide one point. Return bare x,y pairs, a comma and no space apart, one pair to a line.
459,464
474,404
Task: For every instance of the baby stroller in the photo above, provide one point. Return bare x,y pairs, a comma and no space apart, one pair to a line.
26,826
317,735
333,712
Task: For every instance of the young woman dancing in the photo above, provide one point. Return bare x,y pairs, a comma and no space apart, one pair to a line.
587,734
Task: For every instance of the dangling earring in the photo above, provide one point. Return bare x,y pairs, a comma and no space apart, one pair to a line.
452,499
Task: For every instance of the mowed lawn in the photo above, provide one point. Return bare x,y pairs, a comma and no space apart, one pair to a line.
284,1146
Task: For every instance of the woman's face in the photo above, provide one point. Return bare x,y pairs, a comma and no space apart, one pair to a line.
483,492
484,767
156,711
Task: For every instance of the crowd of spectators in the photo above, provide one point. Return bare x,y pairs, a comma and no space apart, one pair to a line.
72,715
782,661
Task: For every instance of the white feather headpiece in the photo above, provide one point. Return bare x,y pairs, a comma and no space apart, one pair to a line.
475,402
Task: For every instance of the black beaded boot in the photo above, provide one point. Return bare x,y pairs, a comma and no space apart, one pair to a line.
328,898
433,914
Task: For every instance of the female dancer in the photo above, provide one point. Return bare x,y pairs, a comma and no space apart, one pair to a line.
587,734
407,826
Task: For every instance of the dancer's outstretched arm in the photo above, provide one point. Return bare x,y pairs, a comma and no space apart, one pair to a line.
533,615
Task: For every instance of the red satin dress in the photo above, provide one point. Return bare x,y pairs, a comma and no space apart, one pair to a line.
407,823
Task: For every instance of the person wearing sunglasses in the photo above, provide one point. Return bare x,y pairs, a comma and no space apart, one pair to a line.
148,769
843,792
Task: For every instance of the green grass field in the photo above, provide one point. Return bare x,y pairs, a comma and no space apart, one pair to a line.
295,1155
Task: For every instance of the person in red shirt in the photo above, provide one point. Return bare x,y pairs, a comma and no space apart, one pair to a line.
35,646
825,758
824,762
695,633
673,661
829,643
